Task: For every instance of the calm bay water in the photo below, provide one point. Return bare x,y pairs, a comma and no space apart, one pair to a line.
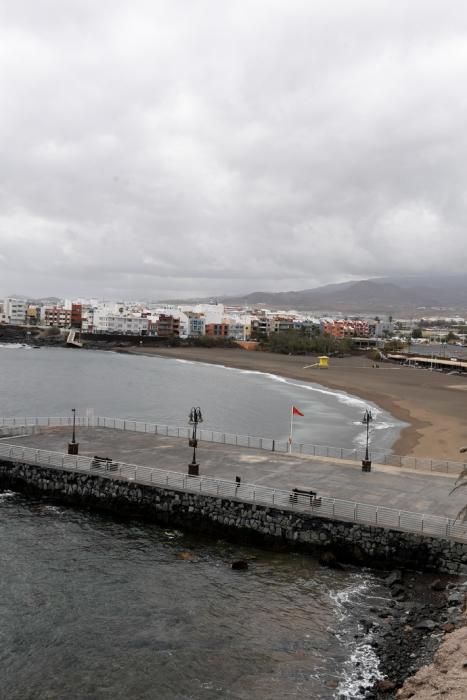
52,381
94,608
97,608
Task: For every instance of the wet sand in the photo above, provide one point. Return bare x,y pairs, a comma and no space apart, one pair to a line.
433,404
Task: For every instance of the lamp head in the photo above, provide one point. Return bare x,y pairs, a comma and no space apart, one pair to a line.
195,415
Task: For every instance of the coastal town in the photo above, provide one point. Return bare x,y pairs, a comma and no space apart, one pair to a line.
217,320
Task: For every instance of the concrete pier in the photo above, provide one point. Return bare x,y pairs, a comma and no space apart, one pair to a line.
391,487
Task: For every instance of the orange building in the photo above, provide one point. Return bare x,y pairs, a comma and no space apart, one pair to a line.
168,326
218,330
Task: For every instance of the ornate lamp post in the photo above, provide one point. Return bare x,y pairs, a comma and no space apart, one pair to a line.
367,419
73,445
194,418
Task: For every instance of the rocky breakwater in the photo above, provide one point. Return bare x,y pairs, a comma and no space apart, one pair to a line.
334,541
31,335
419,620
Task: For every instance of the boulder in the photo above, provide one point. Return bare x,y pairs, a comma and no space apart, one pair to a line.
240,565
437,585
426,625
393,578
328,559
385,686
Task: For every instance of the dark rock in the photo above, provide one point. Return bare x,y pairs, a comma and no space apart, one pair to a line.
393,578
448,627
328,559
456,598
398,591
240,565
437,585
384,614
426,625
385,686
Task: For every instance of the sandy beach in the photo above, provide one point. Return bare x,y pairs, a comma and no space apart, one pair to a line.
433,404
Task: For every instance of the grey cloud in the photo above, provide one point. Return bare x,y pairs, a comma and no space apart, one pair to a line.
163,148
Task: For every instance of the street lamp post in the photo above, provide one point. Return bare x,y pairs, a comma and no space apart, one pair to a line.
367,419
73,445
194,418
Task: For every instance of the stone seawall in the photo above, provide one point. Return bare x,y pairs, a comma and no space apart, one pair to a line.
234,519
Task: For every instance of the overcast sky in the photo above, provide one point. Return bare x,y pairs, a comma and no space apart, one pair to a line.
152,149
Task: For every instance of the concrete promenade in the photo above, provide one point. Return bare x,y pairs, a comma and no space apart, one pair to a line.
392,487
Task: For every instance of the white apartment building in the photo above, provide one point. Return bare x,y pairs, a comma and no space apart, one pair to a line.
15,310
128,325
237,329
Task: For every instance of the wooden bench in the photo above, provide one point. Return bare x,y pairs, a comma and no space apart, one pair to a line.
305,496
103,463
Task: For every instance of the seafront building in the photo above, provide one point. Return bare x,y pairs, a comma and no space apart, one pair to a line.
186,320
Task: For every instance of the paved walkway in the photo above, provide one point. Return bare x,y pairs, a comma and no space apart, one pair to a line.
392,487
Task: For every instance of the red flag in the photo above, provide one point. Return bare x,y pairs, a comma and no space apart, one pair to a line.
296,412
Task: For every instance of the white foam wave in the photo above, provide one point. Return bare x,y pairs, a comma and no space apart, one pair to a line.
7,494
360,439
341,396
52,509
347,595
361,671
14,346
362,668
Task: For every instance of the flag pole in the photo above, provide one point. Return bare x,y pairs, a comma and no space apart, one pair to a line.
291,429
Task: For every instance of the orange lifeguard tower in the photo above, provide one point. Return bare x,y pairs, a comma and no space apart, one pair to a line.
324,362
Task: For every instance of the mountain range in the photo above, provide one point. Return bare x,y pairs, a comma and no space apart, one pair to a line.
414,294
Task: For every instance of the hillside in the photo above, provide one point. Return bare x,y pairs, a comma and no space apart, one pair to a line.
384,295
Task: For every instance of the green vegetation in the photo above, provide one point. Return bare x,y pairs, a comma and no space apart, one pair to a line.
394,345
294,342
417,333
209,341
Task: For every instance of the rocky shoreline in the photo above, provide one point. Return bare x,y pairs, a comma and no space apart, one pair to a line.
411,628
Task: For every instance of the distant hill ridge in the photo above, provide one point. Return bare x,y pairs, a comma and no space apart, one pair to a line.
404,294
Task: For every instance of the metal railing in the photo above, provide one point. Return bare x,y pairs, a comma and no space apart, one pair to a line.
324,507
249,441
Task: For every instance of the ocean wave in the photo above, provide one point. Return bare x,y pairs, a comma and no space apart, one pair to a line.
341,396
362,667
15,346
7,494
52,509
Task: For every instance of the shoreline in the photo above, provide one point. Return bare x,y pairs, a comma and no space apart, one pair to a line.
433,405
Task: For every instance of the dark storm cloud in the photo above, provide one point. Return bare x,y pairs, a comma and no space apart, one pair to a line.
163,148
